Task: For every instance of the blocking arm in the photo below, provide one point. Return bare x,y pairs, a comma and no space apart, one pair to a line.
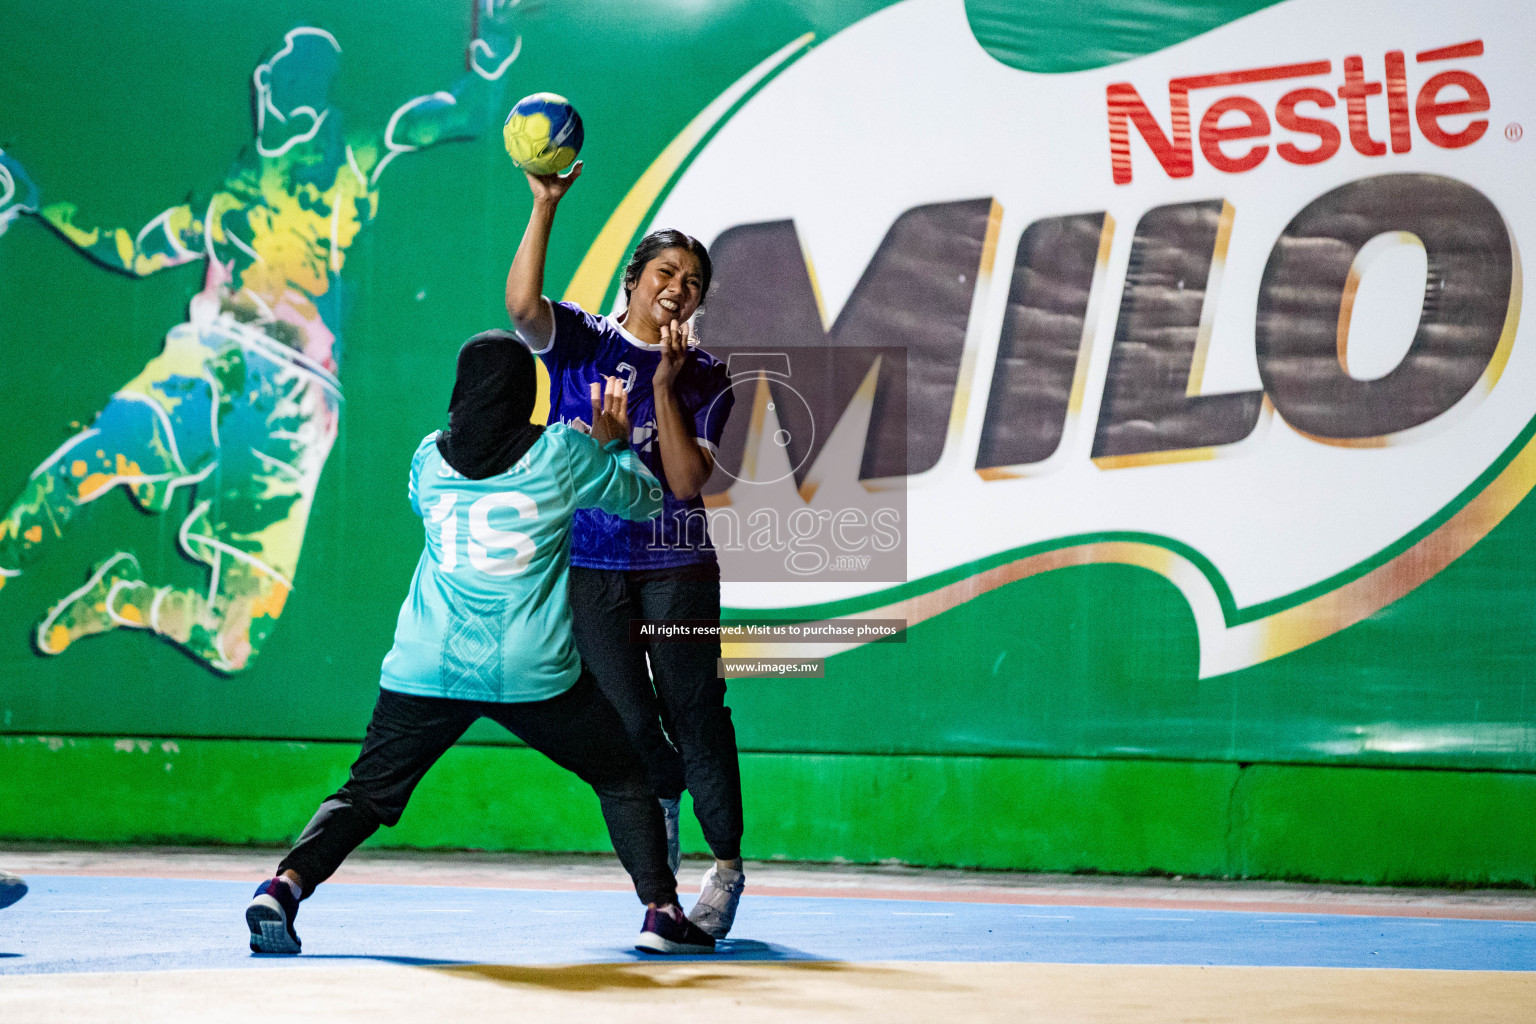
613,478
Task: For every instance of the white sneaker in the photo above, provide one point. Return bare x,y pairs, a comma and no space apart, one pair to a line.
671,812
719,896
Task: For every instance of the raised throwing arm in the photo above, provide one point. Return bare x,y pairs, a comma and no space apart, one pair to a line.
525,280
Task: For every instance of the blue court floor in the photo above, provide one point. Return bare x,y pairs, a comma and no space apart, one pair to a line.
87,924
482,944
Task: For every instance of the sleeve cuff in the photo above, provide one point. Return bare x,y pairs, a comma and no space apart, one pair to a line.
533,343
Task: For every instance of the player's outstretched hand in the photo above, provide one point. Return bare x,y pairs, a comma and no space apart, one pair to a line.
551,188
676,339
610,411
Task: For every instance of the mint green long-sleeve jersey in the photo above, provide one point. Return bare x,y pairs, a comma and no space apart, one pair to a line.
487,617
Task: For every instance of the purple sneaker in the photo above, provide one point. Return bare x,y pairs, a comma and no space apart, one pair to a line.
667,930
11,889
270,917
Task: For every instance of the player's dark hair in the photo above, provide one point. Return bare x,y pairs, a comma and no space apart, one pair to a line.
657,242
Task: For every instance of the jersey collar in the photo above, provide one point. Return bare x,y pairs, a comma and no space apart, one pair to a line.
630,337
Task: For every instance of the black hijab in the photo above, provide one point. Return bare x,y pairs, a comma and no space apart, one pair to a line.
488,427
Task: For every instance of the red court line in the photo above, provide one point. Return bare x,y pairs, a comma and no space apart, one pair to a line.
1050,899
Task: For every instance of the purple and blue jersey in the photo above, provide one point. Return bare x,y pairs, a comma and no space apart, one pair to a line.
585,348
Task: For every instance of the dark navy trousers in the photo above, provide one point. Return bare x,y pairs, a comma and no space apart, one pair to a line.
578,730
668,693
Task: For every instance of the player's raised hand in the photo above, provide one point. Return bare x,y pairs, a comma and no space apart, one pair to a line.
675,341
610,411
551,188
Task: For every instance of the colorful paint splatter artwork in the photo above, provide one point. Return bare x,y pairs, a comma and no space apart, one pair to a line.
230,425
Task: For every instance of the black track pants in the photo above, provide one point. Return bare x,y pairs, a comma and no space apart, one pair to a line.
578,730
674,709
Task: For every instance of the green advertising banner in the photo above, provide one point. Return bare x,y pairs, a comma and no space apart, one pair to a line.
1161,365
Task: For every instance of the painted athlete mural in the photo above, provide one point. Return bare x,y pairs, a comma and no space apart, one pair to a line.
230,425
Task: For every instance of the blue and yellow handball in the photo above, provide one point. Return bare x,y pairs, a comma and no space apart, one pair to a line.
543,133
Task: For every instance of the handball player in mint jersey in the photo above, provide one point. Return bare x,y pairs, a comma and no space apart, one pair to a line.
485,631
679,398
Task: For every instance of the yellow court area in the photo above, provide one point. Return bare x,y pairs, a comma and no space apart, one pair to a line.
834,992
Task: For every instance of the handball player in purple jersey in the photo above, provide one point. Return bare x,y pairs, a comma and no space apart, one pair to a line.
668,695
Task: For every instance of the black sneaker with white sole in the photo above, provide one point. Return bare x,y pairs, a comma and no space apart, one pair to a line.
270,917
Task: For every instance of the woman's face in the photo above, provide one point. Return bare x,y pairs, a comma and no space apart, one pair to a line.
669,288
